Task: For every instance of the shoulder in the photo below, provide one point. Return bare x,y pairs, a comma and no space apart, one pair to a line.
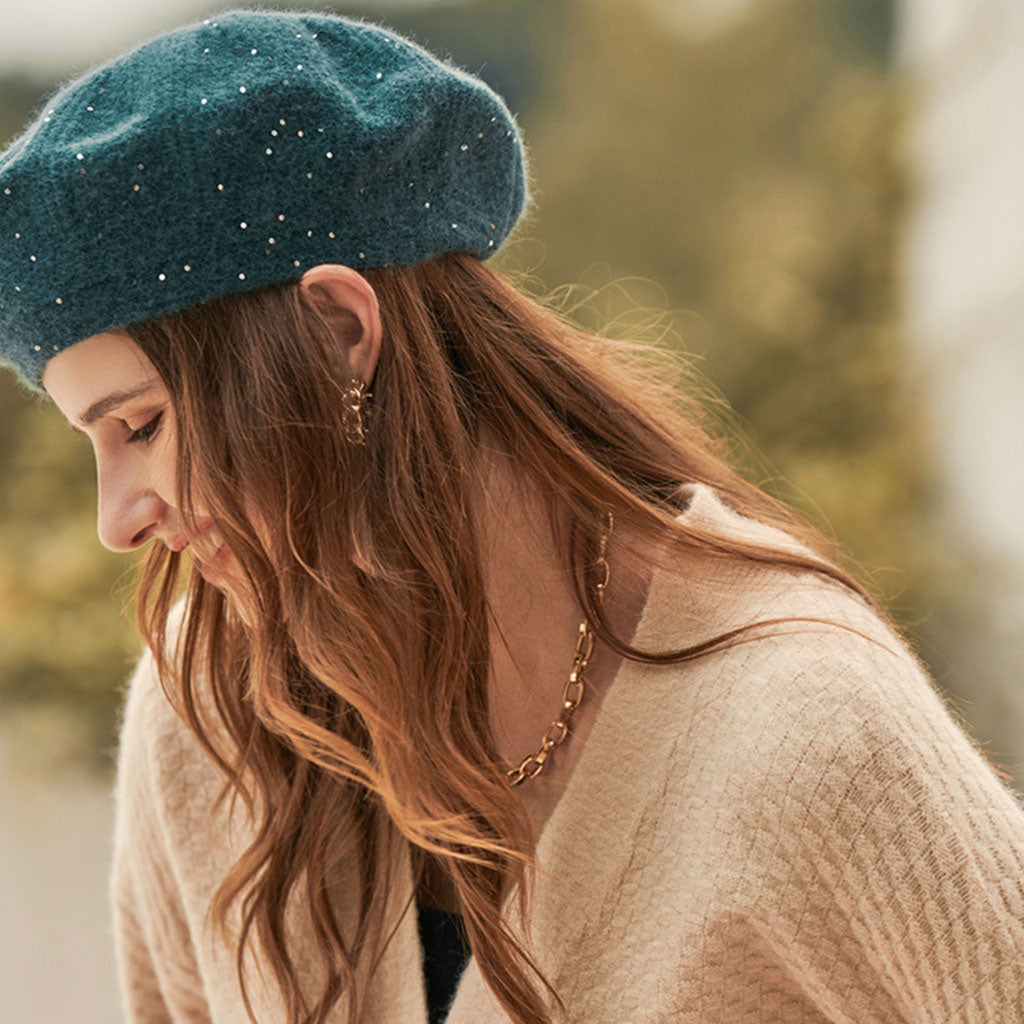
820,686
827,797
776,617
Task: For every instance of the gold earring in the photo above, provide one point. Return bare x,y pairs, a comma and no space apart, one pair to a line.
354,395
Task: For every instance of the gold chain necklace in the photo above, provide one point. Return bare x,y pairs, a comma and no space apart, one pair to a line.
572,693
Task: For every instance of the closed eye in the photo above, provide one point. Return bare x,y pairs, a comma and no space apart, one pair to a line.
147,432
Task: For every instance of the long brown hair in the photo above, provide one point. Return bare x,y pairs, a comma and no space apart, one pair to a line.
359,662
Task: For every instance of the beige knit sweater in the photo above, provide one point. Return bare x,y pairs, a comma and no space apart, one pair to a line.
794,830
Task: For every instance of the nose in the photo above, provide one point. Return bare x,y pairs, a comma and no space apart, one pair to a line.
129,512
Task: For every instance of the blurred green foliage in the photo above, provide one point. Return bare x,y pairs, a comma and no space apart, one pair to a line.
754,173
63,643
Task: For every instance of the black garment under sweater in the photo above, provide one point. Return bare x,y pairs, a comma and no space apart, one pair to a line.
445,952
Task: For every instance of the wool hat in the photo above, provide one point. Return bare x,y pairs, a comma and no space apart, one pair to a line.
235,153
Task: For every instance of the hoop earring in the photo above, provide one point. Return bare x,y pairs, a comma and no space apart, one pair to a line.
354,396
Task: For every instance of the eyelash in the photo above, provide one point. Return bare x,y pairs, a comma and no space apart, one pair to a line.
146,433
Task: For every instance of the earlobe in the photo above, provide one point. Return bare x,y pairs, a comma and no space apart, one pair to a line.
348,304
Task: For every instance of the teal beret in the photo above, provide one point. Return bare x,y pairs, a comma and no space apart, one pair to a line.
235,153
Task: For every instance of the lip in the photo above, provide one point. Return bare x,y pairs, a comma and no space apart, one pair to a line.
180,541
207,565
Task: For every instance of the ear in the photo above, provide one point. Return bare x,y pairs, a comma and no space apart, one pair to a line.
348,303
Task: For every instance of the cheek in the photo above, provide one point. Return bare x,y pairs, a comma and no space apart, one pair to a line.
165,479
165,465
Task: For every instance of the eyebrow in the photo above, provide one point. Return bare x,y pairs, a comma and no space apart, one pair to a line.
103,406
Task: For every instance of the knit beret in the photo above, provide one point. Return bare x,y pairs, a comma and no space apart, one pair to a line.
235,153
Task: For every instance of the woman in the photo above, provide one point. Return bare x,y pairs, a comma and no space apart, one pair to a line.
490,685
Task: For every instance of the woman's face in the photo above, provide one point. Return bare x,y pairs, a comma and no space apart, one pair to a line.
110,391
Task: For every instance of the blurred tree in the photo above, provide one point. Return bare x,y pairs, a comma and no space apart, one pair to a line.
756,175
63,644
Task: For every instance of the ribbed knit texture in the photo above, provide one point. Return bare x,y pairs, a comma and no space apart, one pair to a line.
239,152
792,831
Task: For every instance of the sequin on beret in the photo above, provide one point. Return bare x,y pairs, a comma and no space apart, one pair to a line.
237,152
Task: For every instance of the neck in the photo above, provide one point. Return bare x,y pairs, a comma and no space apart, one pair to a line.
534,626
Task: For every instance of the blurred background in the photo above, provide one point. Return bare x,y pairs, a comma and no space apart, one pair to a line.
820,198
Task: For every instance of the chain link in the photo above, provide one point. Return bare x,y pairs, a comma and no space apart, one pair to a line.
354,398
575,687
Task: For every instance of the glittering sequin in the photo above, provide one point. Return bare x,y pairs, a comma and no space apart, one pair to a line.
234,127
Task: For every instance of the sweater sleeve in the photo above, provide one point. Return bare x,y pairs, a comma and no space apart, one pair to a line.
159,976
888,857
